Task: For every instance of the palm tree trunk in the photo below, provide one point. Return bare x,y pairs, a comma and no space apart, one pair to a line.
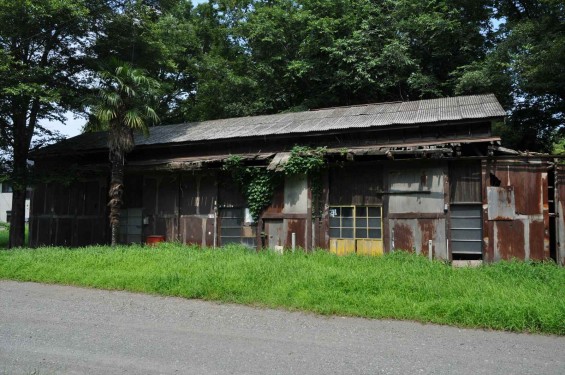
115,193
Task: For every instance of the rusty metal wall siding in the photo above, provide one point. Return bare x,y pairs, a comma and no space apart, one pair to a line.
526,234
297,226
560,207
356,185
416,187
277,204
415,209
527,183
501,203
191,230
413,235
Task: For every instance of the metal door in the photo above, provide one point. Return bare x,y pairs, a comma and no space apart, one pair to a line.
274,233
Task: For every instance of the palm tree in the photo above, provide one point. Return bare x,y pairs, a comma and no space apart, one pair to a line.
121,107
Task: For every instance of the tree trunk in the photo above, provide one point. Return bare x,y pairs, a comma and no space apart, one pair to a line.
19,181
115,193
17,221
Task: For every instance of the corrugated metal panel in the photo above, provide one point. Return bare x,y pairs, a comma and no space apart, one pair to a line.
424,111
449,113
472,111
383,108
409,106
501,203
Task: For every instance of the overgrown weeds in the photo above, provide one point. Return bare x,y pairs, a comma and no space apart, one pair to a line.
513,296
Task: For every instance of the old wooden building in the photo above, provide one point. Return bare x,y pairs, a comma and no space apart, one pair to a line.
423,176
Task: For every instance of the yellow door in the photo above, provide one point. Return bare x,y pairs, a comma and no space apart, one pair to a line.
342,246
369,247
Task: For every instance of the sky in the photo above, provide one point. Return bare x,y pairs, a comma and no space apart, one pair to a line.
73,126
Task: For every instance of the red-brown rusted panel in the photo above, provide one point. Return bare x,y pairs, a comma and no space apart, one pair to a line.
560,207
428,230
297,226
209,235
488,226
403,237
510,239
527,183
537,243
278,202
191,230
529,192
549,230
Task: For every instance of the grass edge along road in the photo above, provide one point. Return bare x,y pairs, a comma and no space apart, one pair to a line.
512,296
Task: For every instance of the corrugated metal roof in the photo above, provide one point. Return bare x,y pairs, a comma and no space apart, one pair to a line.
331,119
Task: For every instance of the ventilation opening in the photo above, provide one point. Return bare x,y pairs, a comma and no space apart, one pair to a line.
456,256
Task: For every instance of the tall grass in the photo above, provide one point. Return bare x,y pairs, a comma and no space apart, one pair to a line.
513,296
5,235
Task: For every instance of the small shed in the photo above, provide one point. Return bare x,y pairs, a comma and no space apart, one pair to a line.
424,176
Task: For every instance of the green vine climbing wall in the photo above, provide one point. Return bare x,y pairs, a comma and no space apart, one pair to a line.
258,183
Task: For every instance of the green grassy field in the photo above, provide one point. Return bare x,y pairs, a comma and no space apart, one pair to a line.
513,296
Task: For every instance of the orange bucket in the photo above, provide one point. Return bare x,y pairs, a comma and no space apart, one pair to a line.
154,240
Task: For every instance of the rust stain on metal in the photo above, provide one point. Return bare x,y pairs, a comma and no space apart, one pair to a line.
510,239
296,226
428,232
192,230
403,237
537,235
277,203
528,191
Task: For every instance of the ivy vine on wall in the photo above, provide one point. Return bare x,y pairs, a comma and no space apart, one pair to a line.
258,183
310,162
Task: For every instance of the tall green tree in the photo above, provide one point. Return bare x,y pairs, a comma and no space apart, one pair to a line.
122,107
294,55
41,49
525,67
160,38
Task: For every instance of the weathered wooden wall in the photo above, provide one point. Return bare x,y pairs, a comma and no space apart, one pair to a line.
69,215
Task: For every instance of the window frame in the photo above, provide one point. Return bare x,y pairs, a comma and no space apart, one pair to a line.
354,218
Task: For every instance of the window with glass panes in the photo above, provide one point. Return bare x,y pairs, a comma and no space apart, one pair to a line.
356,222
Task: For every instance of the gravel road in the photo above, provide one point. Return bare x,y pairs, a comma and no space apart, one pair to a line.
46,329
